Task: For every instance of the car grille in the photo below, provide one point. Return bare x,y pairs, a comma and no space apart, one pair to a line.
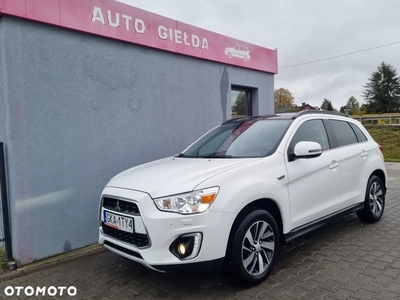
137,239
122,206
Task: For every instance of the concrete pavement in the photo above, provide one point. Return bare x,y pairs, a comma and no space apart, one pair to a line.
344,260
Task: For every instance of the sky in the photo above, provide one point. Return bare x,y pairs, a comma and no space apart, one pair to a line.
303,31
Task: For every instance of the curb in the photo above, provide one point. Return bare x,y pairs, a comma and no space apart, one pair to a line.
52,262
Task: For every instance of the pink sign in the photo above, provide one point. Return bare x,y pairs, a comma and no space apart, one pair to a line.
119,21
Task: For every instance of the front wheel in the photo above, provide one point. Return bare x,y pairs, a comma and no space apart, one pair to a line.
254,248
374,203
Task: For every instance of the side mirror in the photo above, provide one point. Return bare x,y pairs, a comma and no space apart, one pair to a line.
307,150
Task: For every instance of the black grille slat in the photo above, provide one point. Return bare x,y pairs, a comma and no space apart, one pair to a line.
122,249
137,239
122,206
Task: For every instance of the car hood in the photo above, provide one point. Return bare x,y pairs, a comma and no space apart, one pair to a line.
174,175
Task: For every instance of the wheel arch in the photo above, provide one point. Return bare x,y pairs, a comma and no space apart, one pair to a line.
267,204
381,176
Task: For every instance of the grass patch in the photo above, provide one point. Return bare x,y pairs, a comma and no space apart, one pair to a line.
3,265
389,138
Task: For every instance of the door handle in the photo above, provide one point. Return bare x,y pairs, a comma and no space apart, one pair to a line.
334,165
364,153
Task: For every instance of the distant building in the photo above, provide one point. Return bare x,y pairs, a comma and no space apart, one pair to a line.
304,106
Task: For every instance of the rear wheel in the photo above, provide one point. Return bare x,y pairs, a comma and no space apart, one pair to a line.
254,248
374,203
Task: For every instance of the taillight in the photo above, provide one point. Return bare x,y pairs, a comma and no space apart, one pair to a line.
380,148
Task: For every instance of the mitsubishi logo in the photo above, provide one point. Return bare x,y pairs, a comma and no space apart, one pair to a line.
117,207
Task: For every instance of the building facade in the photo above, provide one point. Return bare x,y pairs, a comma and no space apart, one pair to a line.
90,88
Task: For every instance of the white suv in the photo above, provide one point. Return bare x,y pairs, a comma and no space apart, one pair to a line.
241,190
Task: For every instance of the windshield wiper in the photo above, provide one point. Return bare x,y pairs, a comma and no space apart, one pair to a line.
181,154
214,155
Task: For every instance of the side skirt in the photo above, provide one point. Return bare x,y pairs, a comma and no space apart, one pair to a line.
309,227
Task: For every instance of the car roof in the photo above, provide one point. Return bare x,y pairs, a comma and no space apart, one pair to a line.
285,116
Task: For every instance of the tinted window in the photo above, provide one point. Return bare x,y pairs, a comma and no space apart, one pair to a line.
343,132
360,135
311,131
254,138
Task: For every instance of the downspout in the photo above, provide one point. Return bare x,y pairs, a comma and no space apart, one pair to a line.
5,209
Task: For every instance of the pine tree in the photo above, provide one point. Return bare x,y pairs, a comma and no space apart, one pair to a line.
382,91
327,105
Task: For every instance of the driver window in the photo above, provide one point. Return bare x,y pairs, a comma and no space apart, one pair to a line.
311,131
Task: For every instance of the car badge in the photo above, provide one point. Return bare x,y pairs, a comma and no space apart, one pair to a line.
117,207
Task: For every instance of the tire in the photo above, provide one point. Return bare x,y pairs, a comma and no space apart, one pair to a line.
229,54
250,261
374,203
245,58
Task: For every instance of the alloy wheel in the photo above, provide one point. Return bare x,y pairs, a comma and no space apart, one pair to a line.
376,198
258,248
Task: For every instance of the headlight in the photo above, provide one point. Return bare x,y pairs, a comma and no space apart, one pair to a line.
188,203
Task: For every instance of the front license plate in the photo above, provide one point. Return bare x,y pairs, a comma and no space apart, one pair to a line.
118,222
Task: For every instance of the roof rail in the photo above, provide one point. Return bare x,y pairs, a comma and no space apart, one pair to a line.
248,118
324,112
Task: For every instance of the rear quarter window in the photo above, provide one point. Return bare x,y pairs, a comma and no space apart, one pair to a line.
360,135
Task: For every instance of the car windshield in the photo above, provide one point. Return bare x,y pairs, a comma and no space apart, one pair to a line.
250,138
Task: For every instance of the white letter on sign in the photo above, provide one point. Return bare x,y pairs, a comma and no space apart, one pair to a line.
205,44
195,41
185,37
127,19
140,27
112,24
178,36
162,32
98,15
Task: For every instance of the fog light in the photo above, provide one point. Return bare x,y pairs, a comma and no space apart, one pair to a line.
186,246
181,249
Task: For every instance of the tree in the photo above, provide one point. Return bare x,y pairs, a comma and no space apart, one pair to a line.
327,105
382,91
352,106
283,98
363,109
240,106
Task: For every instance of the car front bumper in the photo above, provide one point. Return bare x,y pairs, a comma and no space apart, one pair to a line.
163,228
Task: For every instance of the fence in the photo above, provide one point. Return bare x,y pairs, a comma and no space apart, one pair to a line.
381,119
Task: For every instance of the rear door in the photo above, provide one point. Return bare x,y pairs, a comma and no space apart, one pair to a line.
314,184
354,150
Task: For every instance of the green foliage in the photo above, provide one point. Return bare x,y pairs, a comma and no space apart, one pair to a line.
352,106
327,105
240,106
389,138
382,91
3,265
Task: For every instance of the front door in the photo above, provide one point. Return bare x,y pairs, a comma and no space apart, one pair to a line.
314,183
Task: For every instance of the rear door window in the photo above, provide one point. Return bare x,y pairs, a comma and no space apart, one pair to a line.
345,135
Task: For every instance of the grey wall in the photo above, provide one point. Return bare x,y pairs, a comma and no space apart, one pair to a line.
82,108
